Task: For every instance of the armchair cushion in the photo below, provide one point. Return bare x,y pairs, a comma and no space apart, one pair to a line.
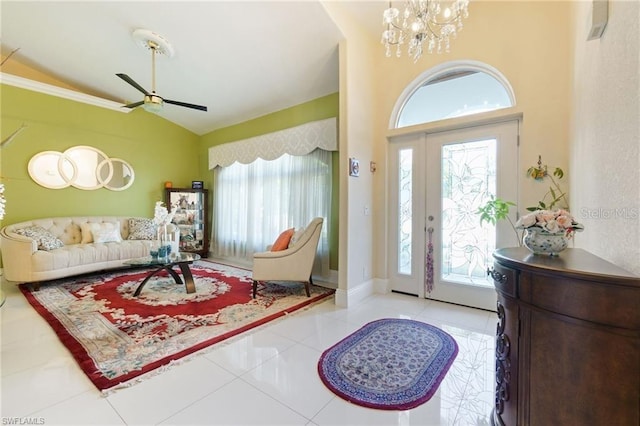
282,242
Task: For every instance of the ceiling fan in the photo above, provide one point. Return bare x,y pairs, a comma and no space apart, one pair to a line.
152,101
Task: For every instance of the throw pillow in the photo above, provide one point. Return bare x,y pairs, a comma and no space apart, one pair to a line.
89,228
296,237
282,242
45,239
109,235
142,229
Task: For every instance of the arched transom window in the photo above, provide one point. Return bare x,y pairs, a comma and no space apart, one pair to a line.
453,90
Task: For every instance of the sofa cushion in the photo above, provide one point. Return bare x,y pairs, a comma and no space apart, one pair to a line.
84,255
142,229
45,239
89,228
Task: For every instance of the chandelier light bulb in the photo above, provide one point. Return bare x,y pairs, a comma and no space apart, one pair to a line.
390,15
432,22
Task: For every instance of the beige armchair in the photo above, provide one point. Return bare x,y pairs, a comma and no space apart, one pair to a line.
292,264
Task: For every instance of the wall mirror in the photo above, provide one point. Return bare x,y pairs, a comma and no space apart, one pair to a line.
44,168
83,167
115,174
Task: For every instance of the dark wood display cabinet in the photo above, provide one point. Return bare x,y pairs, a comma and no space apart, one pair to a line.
567,340
191,216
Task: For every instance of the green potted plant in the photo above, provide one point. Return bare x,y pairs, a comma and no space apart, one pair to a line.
496,209
558,196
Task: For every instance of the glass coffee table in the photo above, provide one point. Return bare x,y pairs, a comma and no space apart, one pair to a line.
182,260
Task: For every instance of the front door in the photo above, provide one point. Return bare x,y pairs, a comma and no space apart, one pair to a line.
438,182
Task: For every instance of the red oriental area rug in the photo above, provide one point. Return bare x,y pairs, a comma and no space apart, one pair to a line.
116,337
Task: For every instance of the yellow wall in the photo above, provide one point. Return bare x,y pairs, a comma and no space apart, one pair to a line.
505,35
357,113
508,37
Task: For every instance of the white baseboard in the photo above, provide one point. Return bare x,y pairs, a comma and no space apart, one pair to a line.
381,285
353,296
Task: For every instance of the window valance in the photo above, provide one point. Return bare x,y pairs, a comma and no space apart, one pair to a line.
299,140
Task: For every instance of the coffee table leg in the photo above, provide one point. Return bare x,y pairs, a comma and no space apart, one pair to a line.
142,284
188,278
174,274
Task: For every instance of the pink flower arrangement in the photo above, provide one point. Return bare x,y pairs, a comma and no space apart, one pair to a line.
551,221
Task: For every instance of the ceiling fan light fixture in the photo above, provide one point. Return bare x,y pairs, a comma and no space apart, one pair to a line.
157,45
152,103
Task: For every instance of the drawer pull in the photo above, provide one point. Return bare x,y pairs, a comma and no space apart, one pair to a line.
497,276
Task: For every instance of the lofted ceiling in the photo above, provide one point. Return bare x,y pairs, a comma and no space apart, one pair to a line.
240,59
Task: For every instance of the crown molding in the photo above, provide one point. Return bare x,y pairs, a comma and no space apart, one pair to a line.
48,89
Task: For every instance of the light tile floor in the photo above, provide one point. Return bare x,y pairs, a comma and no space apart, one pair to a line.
266,376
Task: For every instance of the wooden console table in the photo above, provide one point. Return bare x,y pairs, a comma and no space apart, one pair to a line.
567,340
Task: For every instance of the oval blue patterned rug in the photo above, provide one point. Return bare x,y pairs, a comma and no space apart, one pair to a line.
389,364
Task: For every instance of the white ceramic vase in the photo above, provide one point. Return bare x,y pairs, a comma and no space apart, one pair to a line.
543,242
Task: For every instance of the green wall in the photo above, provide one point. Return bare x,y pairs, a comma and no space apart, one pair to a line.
317,109
157,149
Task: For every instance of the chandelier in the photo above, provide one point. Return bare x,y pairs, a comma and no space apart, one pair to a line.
430,22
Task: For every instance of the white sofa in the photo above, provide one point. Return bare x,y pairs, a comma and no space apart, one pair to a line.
23,261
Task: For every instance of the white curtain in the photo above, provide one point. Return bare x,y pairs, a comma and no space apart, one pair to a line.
255,202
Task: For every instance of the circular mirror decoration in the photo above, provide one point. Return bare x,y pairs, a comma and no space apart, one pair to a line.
82,167
115,174
47,168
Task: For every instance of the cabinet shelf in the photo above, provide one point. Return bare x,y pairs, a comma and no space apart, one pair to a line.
191,217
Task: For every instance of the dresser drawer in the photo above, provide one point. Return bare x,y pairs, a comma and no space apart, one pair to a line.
504,279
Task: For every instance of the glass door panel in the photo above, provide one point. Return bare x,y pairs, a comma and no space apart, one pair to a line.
405,211
468,177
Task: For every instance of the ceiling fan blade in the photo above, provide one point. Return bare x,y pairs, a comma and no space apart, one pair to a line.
133,105
133,83
200,107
